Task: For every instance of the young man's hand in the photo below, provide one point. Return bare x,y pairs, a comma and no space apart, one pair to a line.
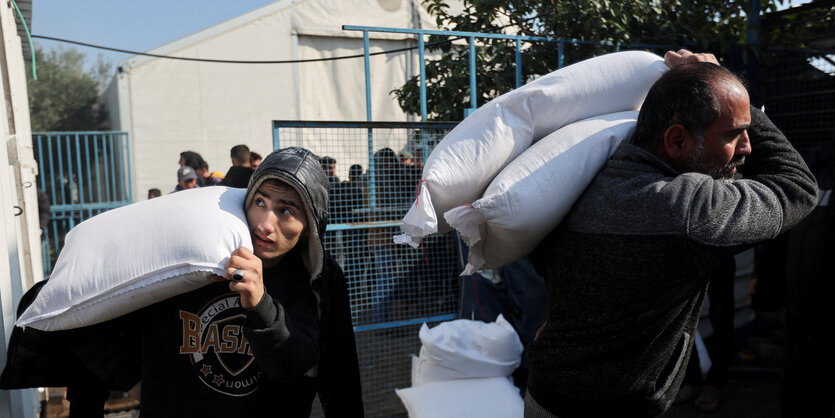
683,56
251,286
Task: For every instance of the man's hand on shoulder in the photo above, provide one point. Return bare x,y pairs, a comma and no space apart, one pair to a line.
251,283
683,56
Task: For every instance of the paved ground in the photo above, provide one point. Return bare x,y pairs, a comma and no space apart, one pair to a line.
743,397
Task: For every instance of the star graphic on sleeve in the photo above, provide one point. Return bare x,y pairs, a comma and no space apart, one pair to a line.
206,370
218,380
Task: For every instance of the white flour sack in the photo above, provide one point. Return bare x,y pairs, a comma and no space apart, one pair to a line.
536,190
131,257
465,162
466,349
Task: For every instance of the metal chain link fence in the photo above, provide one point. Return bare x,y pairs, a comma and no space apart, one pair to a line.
375,169
799,94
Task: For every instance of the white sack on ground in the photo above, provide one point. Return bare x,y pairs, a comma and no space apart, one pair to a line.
466,160
128,258
465,349
536,190
469,398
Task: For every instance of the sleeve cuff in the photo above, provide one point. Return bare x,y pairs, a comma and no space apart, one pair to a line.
263,314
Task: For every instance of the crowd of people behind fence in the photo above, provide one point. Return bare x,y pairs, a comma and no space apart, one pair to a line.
392,190
384,195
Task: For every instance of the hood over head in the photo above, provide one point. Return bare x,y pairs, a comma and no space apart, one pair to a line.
299,168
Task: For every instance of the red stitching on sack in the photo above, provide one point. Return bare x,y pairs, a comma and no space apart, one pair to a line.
417,195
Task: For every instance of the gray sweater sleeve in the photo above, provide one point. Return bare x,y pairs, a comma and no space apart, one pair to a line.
777,192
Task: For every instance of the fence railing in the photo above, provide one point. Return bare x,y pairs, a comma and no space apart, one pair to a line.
471,38
83,174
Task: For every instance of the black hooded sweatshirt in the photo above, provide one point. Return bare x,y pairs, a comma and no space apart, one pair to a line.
202,354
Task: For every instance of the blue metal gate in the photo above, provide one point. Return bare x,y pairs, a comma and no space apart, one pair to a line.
393,288
83,174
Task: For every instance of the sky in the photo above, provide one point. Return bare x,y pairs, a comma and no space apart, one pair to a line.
136,25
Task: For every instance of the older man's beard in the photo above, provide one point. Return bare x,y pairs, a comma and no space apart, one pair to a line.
698,162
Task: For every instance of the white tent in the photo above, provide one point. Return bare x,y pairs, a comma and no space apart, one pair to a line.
169,106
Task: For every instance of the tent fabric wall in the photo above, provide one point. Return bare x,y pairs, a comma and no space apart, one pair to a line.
169,106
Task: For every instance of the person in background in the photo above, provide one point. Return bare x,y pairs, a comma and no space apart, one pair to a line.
241,170
794,272
254,160
191,159
329,165
628,268
43,211
152,193
186,178
195,161
385,192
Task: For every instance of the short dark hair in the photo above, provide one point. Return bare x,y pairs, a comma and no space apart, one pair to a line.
192,159
240,154
684,95
154,192
254,156
326,161
355,171
385,156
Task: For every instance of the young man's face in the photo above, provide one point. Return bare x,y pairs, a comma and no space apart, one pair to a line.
726,142
277,221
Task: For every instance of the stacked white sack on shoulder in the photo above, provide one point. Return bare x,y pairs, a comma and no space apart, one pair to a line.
536,190
464,163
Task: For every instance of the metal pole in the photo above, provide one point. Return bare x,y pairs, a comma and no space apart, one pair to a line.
473,103
366,60
422,78
753,22
518,63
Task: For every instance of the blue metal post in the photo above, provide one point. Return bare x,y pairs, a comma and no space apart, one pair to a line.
518,63
366,61
130,168
51,169
365,45
473,102
79,175
422,78
61,170
96,163
89,173
69,165
276,141
560,54
112,149
104,157
121,159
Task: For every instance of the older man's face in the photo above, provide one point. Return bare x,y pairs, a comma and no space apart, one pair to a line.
725,142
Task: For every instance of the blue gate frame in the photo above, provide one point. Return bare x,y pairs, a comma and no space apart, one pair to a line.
83,174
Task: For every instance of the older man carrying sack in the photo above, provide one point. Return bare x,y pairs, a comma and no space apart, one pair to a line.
627,269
